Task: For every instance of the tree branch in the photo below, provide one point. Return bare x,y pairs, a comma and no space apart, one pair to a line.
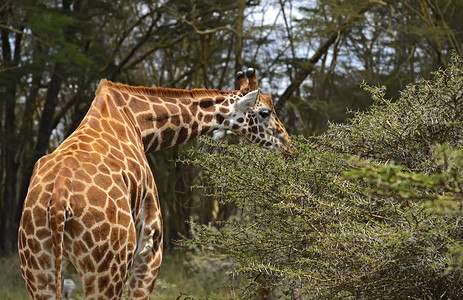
182,18
309,65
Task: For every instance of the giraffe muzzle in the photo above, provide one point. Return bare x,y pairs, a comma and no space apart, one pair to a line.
289,150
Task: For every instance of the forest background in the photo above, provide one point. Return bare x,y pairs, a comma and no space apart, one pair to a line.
310,55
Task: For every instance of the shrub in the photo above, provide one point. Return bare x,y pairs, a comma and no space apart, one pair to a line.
340,220
427,114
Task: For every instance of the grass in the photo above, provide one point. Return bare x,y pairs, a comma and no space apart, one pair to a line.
11,282
178,279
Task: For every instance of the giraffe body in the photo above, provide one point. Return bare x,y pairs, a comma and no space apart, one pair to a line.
93,202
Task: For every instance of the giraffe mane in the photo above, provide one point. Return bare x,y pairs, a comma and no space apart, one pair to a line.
157,91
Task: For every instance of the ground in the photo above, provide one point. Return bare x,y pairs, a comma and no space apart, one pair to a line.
177,280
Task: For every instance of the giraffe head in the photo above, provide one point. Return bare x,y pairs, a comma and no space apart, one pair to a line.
254,118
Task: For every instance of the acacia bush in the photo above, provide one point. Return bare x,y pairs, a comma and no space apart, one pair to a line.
405,131
371,209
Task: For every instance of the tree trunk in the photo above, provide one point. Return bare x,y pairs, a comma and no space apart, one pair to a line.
49,108
9,145
239,35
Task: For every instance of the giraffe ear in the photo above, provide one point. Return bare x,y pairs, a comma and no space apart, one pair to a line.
249,100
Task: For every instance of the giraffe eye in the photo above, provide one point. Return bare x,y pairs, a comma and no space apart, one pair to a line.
264,113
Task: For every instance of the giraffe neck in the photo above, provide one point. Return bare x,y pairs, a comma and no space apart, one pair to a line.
164,118
178,120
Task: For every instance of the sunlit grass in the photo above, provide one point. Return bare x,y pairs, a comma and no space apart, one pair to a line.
177,280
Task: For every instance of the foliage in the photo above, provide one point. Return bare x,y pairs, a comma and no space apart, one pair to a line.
339,220
428,113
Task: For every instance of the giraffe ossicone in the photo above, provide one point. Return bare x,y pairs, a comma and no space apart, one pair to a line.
93,203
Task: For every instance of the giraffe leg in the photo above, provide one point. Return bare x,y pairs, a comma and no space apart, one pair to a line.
147,261
105,269
36,258
106,284
144,273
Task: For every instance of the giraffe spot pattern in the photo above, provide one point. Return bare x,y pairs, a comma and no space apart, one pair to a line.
108,188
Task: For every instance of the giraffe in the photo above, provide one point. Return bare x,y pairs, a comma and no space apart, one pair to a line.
92,203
